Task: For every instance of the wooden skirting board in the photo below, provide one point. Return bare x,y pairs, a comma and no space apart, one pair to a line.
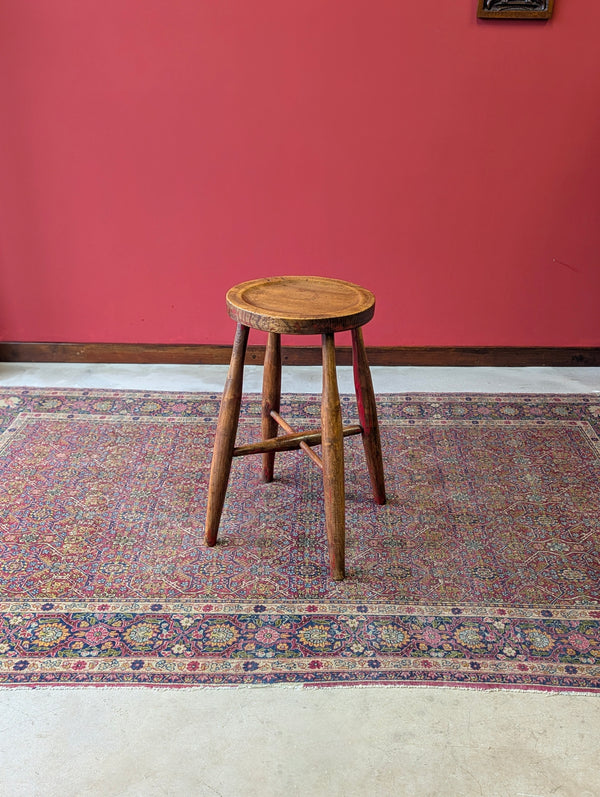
300,355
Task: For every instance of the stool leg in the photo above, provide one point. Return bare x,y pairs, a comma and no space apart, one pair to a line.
225,438
367,413
332,449
271,397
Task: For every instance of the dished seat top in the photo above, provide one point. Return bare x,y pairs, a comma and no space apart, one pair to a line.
300,305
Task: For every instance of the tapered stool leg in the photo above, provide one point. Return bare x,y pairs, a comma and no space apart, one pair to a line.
225,438
332,449
367,413
271,398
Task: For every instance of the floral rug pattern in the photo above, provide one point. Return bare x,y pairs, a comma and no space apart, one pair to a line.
483,569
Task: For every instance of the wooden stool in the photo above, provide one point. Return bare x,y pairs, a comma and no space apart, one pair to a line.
299,306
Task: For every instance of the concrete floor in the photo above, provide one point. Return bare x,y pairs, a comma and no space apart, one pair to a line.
287,740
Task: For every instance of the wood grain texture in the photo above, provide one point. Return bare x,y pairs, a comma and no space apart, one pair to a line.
302,444
367,413
332,451
209,354
300,305
271,397
225,437
291,442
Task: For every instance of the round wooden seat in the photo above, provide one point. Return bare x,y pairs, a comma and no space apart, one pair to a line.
300,305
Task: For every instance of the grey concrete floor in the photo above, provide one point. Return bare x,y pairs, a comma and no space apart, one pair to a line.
303,379
282,740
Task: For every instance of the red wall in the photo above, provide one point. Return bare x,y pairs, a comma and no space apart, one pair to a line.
155,152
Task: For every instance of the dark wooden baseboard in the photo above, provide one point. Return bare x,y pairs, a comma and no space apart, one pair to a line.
300,355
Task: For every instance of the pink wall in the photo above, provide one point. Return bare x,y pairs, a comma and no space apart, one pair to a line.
155,152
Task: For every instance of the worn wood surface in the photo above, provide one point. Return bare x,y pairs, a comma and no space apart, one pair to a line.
332,451
209,354
367,413
290,442
300,305
271,397
303,444
224,445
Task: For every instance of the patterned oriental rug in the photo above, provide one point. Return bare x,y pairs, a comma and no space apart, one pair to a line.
483,569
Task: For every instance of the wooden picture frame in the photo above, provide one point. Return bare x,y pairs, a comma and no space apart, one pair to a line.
515,9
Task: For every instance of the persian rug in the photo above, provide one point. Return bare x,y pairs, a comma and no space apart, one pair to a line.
482,570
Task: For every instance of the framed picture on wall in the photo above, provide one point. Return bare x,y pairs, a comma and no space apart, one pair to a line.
515,9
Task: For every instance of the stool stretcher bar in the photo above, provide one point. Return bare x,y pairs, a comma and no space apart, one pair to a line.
303,444
290,442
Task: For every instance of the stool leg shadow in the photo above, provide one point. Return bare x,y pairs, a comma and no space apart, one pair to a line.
271,399
367,413
227,425
332,450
